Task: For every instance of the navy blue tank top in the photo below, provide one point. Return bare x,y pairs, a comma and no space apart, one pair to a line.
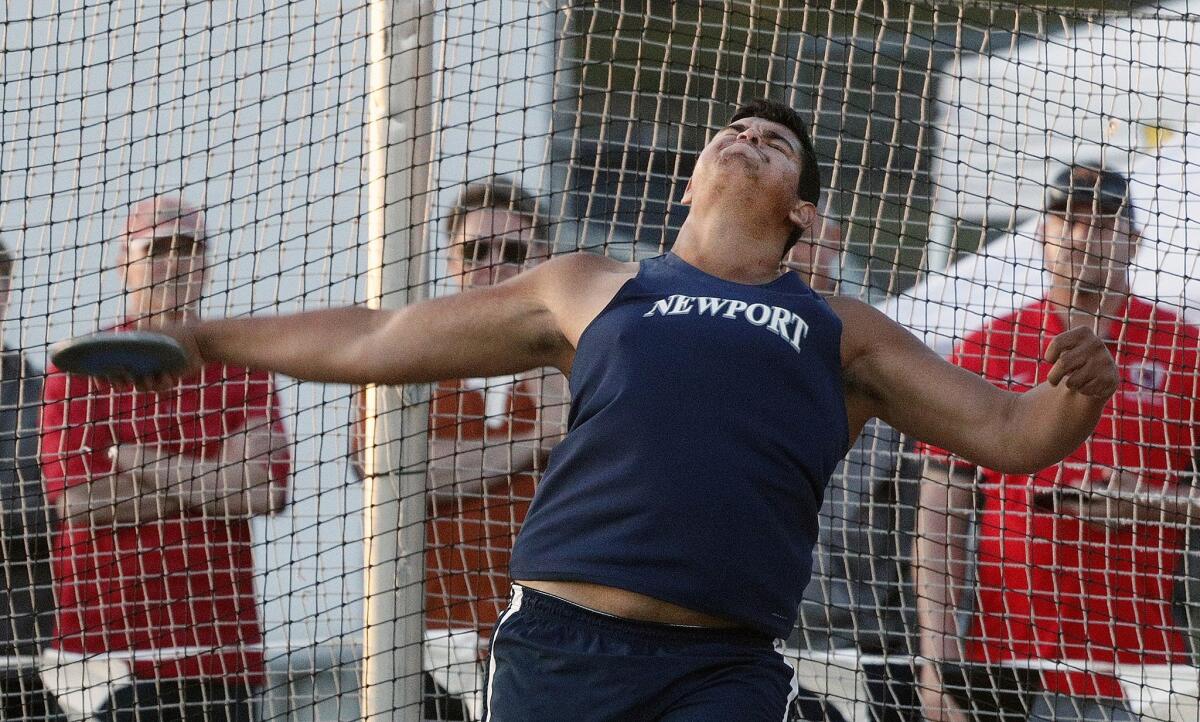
706,418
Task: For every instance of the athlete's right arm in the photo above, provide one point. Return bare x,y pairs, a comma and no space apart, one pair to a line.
528,322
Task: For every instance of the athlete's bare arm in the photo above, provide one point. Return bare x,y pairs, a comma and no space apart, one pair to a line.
890,374
531,321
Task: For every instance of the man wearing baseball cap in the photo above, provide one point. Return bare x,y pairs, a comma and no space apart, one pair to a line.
157,617
162,260
1075,564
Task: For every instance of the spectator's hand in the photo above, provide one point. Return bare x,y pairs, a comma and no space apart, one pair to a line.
1081,359
1114,504
936,704
151,466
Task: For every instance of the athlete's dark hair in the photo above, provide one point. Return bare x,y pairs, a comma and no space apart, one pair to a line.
809,186
499,193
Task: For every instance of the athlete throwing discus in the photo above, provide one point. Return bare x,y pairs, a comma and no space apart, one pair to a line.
671,537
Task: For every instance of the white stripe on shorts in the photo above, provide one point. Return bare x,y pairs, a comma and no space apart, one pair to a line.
514,606
795,690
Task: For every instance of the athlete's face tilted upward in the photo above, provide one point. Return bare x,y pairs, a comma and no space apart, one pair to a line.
758,174
751,156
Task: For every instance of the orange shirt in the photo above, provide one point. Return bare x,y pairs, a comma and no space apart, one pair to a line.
469,537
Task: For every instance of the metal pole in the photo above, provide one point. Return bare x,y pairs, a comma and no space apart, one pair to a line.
399,129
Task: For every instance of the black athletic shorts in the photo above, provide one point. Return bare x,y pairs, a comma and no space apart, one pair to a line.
554,660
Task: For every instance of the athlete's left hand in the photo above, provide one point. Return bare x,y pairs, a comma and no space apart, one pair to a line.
1081,359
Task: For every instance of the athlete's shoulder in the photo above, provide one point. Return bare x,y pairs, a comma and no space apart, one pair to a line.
581,265
857,315
577,286
564,279
575,277
867,330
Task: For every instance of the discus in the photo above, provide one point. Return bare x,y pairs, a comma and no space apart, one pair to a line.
123,355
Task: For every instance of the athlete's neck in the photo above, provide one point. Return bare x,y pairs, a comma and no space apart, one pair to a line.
728,248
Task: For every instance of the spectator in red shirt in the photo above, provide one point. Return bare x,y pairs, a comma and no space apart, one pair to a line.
1075,564
157,617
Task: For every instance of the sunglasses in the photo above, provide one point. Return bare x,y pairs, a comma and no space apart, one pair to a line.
168,246
481,250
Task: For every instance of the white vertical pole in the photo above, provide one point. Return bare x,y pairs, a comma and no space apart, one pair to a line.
941,237
399,128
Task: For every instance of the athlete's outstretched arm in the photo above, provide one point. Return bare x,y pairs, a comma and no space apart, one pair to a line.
502,329
890,374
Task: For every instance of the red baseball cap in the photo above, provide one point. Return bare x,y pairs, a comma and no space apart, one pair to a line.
162,217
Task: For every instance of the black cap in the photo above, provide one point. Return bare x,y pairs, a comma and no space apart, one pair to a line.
1091,187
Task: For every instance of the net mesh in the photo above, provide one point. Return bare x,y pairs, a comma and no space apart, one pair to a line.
937,125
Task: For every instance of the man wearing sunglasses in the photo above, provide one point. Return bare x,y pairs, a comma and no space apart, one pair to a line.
154,576
494,231
489,438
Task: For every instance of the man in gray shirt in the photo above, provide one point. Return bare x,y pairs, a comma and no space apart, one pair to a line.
860,597
26,597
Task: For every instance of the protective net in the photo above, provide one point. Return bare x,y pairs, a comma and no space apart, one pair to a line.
532,129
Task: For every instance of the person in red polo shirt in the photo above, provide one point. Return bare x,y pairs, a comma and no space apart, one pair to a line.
488,439
157,616
1075,564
